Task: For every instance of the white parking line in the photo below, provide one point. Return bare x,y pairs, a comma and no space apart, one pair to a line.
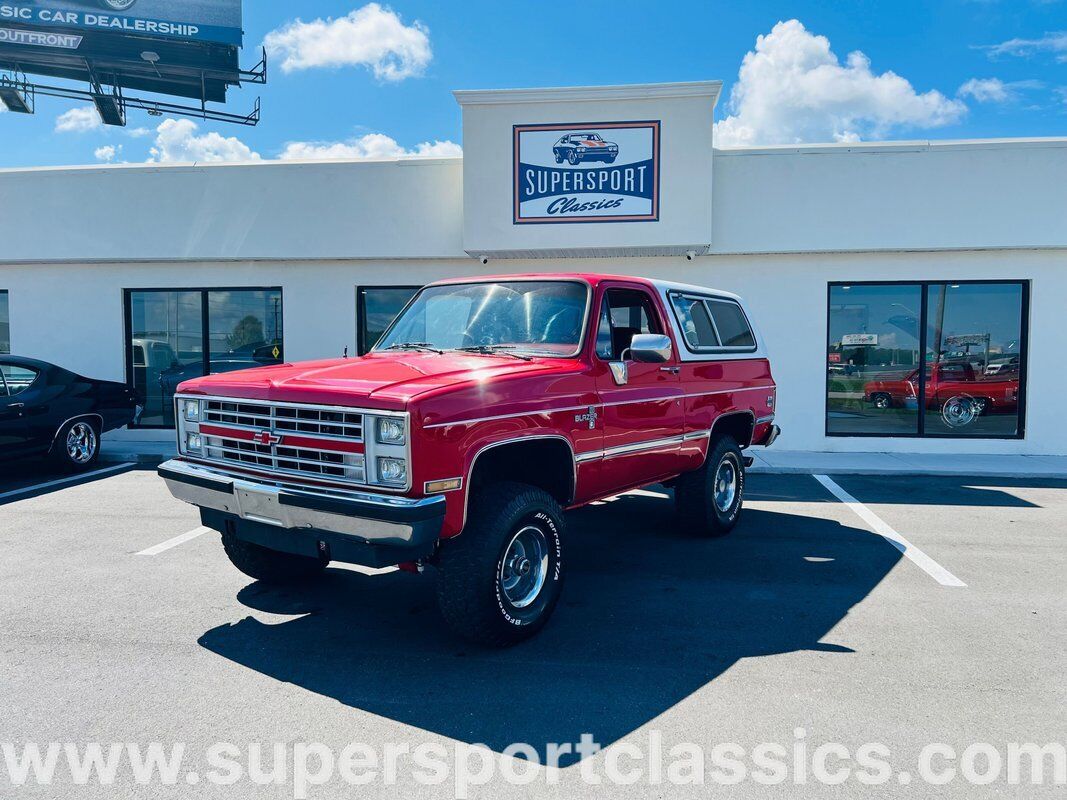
16,493
172,543
879,526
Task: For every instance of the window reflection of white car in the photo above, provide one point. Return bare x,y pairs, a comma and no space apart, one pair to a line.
578,147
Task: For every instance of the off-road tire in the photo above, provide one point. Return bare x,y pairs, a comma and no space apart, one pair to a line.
694,492
470,567
271,566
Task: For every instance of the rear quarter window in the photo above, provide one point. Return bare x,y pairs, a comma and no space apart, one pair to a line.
730,321
712,325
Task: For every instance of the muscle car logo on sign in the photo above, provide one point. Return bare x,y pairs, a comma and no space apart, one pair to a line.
586,172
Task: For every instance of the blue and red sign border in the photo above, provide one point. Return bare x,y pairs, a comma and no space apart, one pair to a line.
655,124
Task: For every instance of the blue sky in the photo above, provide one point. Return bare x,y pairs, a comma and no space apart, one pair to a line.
376,81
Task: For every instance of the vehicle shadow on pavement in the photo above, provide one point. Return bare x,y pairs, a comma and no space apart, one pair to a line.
648,617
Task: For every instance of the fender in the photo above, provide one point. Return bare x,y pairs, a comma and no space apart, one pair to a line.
469,472
740,413
66,422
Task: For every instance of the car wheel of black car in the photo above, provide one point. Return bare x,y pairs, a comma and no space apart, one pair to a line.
573,158
499,581
271,566
709,500
77,445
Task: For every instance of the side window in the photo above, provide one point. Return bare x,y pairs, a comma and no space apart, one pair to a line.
18,379
731,323
624,314
695,322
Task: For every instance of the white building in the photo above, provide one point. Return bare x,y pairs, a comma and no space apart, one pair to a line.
860,262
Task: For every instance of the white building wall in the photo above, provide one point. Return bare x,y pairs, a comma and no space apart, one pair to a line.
72,314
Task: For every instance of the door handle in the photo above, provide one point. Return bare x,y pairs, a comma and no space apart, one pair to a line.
672,370
17,406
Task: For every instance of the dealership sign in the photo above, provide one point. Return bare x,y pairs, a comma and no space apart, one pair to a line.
217,21
859,340
586,172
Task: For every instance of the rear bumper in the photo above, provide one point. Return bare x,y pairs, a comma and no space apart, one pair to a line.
773,432
301,521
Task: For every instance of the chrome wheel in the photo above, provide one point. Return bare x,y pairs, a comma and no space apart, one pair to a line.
119,5
881,401
958,412
81,443
725,485
524,567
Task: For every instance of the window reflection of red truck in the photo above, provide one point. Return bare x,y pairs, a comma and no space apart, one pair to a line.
953,388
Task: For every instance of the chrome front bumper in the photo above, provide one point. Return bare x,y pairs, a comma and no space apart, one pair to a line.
361,517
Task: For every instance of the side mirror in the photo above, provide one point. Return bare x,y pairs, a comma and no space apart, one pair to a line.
651,348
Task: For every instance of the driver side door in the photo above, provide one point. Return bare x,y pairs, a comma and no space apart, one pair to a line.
14,432
644,419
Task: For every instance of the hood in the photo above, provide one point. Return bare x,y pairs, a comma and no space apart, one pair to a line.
379,380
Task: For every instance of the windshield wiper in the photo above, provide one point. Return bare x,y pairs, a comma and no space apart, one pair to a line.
494,350
423,346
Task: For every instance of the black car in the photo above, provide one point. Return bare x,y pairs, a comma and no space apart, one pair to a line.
46,410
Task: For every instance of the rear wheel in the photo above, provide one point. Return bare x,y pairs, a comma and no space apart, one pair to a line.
499,581
77,446
709,500
271,566
880,400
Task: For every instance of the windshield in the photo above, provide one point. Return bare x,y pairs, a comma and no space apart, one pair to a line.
592,137
533,317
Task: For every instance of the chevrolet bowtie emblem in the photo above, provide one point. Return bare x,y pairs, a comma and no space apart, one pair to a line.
267,438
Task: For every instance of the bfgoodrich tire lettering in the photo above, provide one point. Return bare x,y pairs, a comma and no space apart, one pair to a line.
710,499
499,581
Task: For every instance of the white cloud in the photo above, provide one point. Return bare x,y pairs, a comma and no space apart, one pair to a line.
108,152
994,90
792,88
1053,43
78,120
178,140
138,133
370,146
371,36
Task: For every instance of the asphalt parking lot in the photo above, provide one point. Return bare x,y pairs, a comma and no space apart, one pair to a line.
123,622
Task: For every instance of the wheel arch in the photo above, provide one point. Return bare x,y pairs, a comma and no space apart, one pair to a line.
538,452
740,424
87,415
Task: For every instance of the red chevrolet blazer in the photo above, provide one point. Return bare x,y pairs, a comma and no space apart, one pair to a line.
489,407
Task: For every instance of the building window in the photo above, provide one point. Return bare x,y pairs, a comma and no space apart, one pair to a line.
173,335
376,308
927,359
5,324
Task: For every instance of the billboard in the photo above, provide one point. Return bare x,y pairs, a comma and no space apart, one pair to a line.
217,21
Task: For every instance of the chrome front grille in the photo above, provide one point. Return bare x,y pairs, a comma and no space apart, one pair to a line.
271,424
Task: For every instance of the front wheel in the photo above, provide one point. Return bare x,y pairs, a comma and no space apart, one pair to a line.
573,158
880,401
77,446
271,566
499,581
709,500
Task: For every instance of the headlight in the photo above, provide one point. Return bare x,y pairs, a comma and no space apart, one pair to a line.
392,470
390,431
191,410
193,443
